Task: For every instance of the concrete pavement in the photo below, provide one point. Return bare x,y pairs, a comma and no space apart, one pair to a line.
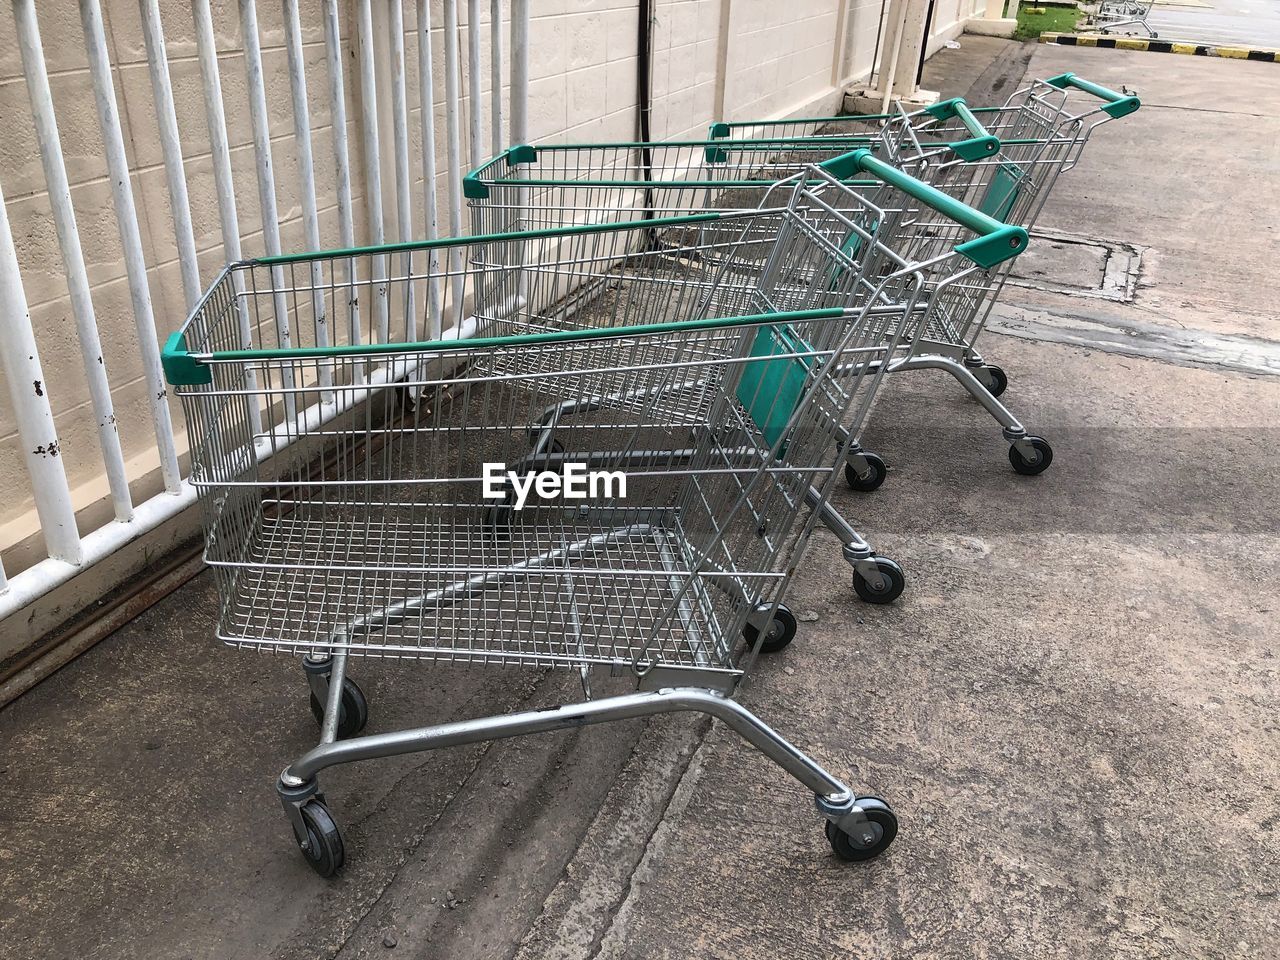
1072,709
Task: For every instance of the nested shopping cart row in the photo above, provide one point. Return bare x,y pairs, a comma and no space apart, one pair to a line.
371,497
1001,161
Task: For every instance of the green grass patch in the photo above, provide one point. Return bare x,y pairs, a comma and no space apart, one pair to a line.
1055,19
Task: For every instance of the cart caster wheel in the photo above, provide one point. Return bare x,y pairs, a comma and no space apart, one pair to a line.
993,379
871,479
1031,467
782,630
353,713
894,583
323,848
872,838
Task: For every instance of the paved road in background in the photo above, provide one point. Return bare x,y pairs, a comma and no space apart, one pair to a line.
1250,23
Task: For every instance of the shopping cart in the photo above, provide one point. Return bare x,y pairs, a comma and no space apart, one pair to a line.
368,516
1106,15
1041,130
530,187
559,185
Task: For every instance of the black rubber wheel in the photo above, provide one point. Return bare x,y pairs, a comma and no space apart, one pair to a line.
323,849
353,712
894,583
871,479
782,630
994,379
1029,468
874,837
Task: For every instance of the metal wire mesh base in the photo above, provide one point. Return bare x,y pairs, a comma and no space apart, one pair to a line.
309,578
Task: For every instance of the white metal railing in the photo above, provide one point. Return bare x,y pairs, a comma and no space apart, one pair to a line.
67,552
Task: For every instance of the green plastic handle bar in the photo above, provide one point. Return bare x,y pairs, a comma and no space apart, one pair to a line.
996,241
980,145
1117,104
183,369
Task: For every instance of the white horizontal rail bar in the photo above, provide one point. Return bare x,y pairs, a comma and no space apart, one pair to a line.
25,379
135,263
171,148
64,220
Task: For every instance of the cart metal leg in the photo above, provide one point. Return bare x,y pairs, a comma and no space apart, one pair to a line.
875,579
337,702
866,823
1029,454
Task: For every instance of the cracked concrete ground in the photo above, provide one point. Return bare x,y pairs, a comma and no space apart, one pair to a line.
1072,709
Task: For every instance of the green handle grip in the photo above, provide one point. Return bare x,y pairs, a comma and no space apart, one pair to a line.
980,145
996,241
1117,104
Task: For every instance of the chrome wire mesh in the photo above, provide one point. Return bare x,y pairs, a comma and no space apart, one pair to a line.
356,517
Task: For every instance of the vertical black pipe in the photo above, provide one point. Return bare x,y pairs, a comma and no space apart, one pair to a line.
644,98
924,42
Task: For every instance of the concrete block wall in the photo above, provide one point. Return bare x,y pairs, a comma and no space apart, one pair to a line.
712,59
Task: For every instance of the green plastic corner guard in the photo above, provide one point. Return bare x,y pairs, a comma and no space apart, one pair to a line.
996,241
180,368
719,130
473,188
977,147
1117,104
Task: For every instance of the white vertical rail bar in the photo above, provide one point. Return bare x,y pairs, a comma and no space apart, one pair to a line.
520,107
474,78
266,186
135,263
220,150
64,219
171,147
453,133
427,100
373,165
307,174
519,71
404,204
23,374
495,76
341,159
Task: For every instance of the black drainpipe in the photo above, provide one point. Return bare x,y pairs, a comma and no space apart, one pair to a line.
924,42
644,99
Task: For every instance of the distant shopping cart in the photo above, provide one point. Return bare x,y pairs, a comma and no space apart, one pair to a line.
358,496
555,185
559,185
1041,130
1107,15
